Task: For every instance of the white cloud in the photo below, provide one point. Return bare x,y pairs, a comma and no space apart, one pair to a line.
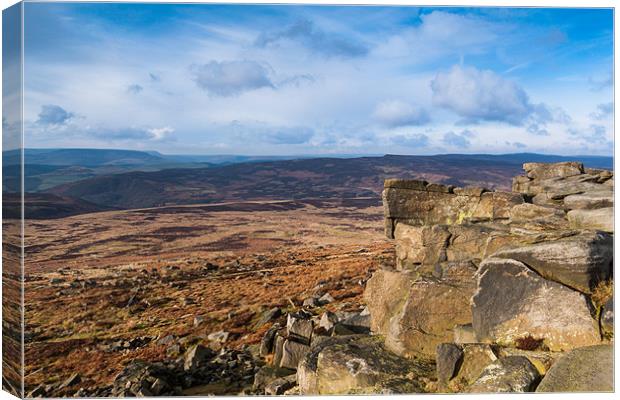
481,95
231,78
397,113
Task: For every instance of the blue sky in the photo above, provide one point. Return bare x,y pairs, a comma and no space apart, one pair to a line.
318,79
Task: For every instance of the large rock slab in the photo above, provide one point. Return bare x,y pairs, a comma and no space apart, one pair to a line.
599,219
586,369
415,315
590,200
579,261
418,203
513,301
510,374
553,170
360,365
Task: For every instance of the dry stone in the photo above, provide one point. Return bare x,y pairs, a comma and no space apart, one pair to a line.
512,301
589,200
579,261
415,315
510,374
600,219
292,353
553,170
359,365
586,369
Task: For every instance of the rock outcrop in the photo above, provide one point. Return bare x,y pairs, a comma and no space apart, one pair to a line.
495,286
490,292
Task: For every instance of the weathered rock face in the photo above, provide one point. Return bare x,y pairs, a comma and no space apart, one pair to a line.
360,365
557,170
590,200
415,315
417,203
512,301
510,374
579,261
599,219
516,271
587,369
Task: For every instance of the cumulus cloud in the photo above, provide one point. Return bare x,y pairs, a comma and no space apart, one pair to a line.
603,111
397,113
231,78
414,141
308,35
481,95
134,89
457,140
54,115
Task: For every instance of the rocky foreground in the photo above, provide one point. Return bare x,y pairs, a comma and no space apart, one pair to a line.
490,292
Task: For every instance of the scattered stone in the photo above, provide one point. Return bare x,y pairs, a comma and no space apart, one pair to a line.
196,356
268,316
449,357
359,365
292,353
198,320
311,302
281,385
300,327
328,320
219,336
464,334
475,358
267,374
357,323
510,374
267,342
586,369
326,299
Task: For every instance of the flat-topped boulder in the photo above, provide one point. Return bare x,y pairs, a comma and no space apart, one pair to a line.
419,203
553,170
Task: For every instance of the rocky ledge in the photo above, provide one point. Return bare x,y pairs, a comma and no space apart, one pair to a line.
491,292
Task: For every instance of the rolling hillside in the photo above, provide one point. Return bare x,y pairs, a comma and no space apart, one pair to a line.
296,179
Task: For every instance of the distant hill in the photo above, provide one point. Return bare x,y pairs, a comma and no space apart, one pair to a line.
46,205
300,179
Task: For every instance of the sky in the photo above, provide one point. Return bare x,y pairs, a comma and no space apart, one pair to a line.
282,80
